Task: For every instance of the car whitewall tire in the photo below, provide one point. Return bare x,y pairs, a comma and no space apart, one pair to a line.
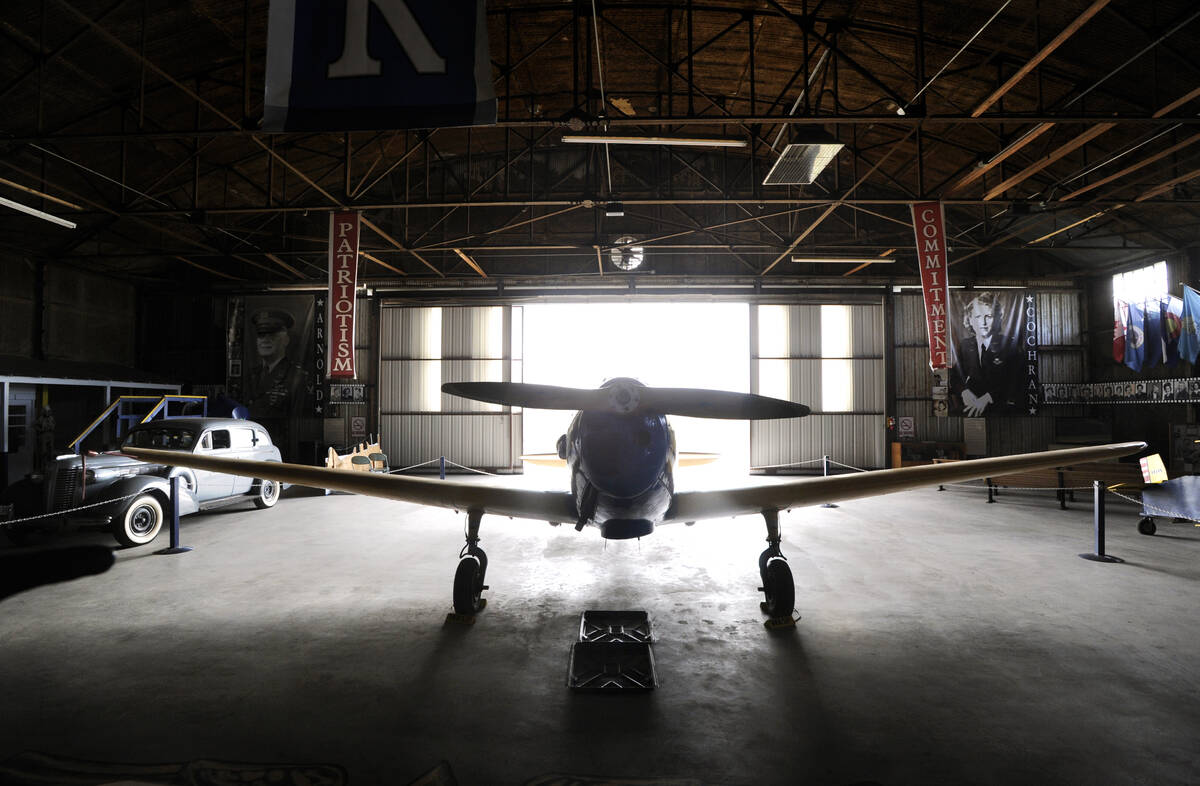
266,493
140,522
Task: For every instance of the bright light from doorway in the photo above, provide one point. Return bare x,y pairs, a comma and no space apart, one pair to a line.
837,378
702,345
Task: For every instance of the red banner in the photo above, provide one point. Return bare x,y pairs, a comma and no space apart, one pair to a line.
343,276
929,225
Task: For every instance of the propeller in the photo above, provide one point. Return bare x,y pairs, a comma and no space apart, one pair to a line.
626,397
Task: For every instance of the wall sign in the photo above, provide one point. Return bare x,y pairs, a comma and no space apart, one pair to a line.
343,277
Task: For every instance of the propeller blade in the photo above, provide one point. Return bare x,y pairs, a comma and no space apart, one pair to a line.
722,404
628,399
521,394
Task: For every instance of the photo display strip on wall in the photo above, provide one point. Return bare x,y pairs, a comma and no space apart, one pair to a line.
1149,391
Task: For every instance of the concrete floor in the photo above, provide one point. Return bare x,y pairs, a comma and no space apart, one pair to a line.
943,640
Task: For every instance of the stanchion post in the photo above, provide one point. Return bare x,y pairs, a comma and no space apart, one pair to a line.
825,473
989,485
442,468
1098,519
174,548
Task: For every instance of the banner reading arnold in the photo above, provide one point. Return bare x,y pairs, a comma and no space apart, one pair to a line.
994,353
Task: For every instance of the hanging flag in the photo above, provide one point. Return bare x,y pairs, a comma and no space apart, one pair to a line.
377,64
1152,327
1120,323
343,277
1189,330
929,224
1135,338
1172,312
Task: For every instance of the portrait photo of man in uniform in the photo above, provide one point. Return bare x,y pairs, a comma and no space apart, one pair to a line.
275,381
989,374
278,367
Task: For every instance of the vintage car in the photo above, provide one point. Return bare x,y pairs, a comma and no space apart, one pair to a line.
138,494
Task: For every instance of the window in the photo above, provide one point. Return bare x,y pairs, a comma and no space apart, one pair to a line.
837,369
220,439
1138,286
242,437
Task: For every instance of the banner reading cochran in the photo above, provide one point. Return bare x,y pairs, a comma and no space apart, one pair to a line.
995,353
929,225
343,277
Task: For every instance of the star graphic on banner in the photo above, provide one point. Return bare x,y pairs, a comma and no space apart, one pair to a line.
319,409
1033,410
1029,298
320,301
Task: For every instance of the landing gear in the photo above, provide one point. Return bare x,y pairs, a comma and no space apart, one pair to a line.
472,569
777,583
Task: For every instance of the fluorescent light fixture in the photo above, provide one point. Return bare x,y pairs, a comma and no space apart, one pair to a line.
614,210
803,161
33,211
585,139
844,260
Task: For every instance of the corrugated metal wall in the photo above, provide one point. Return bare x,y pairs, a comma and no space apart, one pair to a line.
420,349
856,437
1060,358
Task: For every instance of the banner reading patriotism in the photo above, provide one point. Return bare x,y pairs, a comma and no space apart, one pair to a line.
929,225
377,64
343,277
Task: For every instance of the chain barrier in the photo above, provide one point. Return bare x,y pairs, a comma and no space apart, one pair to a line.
1018,488
1154,508
68,511
793,464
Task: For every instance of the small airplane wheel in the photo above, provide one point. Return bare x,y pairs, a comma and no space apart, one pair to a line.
1146,526
779,589
762,564
468,586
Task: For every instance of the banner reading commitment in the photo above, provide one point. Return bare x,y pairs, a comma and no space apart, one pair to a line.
343,277
929,225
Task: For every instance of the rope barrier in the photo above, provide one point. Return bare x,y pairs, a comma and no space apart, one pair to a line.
471,469
793,464
58,513
848,466
414,466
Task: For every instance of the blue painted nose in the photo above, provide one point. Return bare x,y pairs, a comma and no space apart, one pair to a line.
622,455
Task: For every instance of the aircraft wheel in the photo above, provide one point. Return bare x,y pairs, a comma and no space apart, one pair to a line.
267,494
1146,526
762,564
468,586
779,589
140,523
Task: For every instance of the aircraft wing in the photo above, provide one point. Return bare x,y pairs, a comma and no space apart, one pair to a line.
695,505
557,506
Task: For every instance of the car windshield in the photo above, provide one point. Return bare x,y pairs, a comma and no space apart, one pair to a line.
161,437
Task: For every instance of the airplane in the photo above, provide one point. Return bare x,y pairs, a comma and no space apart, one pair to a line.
620,450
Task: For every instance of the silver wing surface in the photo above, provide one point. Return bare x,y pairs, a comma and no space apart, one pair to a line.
557,506
695,505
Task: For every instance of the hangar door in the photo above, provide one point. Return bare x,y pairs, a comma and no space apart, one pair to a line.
423,347
830,357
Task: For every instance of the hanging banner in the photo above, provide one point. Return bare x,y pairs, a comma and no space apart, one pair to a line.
994,353
377,64
343,277
929,225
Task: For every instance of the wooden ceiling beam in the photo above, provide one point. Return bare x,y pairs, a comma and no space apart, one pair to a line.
471,262
1145,162
397,244
1045,52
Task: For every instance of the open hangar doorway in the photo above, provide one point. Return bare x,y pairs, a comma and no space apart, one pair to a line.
829,356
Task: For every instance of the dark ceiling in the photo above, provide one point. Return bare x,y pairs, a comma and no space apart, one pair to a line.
1063,137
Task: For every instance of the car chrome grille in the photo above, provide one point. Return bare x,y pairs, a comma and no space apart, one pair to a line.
66,487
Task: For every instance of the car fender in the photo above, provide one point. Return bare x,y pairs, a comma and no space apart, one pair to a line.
156,483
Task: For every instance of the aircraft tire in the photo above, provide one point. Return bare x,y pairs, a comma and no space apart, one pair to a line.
266,494
1147,526
468,586
140,522
779,588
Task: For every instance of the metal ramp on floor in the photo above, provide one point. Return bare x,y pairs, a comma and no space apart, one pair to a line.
613,653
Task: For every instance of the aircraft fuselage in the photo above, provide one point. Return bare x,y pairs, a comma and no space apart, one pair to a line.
621,470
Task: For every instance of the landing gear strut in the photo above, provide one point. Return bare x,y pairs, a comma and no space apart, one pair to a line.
472,568
777,584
